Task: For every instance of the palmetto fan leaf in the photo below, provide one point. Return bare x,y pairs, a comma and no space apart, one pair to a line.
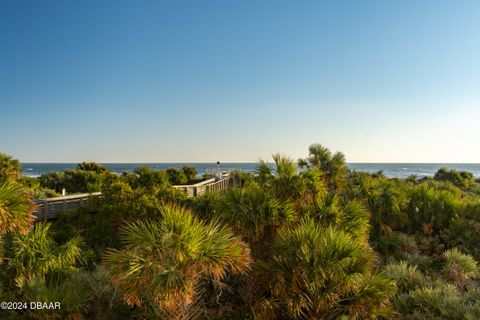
163,262
287,182
332,165
355,220
285,166
10,168
36,256
318,272
253,211
264,169
73,295
15,208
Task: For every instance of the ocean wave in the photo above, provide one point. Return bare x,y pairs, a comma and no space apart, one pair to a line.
33,175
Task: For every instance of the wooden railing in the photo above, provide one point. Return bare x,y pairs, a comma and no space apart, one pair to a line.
198,189
49,209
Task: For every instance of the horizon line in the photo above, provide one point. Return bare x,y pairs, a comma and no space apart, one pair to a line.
240,162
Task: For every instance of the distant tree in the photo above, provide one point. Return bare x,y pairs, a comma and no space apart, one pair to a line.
190,172
87,177
94,167
78,181
461,179
176,176
73,181
53,180
148,178
35,188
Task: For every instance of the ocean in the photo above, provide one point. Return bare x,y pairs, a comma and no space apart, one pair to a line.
392,170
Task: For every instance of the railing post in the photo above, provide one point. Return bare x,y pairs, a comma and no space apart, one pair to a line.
45,211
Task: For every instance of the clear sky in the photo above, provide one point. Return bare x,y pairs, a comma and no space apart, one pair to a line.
200,81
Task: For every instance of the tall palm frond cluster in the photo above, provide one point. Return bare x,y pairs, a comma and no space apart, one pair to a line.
10,168
33,266
163,263
15,208
298,239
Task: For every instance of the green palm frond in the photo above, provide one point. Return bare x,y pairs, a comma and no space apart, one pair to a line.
36,256
460,267
162,262
10,168
332,165
264,169
16,208
285,166
324,272
253,211
355,220
406,276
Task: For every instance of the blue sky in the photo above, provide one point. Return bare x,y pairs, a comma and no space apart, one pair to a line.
200,81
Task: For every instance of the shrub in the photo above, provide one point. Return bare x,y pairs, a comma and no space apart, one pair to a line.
176,176
461,179
433,207
438,301
162,263
397,245
189,172
87,177
148,178
459,267
407,277
324,273
10,168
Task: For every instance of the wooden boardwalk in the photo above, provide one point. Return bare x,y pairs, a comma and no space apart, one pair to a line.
198,189
49,209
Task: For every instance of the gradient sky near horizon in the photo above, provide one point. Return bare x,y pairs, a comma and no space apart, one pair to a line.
235,81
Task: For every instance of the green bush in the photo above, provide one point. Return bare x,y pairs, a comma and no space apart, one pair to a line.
87,177
324,273
407,277
461,179
148,178
433,207
459,267
176,176
10,168
190,172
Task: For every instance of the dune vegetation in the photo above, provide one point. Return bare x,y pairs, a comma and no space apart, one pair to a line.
300,239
